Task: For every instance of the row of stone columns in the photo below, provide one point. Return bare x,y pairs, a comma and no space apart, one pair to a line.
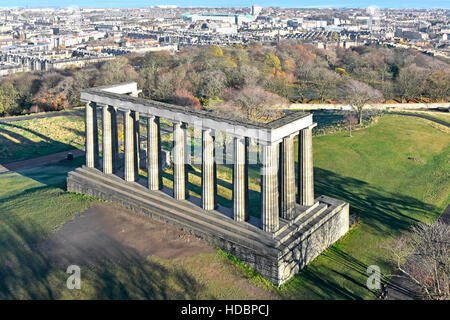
277,192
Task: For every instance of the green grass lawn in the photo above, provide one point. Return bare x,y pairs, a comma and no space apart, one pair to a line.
33,138
33,205
371,171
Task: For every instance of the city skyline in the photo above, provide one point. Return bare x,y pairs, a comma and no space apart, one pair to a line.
414,4
167,150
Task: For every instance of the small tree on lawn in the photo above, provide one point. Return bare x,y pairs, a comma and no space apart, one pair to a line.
349,122
358,95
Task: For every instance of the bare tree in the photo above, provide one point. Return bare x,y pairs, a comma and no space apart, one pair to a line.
349,122
423,256
358,95
325,83
252,103
411,82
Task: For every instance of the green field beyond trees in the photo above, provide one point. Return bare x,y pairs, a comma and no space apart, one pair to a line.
393,173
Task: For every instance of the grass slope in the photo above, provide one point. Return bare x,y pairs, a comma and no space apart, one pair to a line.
38,137
33,205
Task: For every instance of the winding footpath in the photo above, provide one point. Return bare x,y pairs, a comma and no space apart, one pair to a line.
423,116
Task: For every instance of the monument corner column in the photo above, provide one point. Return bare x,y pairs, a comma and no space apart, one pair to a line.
306,168
92,158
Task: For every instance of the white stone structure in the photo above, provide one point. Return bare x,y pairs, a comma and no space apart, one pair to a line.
277,244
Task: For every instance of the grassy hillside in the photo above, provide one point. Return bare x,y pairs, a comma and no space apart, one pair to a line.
393,174
33,138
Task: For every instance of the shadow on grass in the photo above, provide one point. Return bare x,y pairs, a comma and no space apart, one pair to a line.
383,211
34,268
322,287
18,147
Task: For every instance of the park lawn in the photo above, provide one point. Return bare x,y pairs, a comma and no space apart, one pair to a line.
371,171
33,138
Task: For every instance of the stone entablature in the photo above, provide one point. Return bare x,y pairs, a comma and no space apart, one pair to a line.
271,132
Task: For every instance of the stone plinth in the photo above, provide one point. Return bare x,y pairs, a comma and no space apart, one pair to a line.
276,256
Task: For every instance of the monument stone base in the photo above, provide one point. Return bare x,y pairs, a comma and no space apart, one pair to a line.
277,255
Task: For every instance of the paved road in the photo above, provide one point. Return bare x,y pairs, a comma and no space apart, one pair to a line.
39,161
424,116
44,115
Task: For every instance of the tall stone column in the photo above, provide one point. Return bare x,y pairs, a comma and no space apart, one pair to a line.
91,135
179,168
269,188
107,140
137,145
287,175
129,122
208,171
240,176
305,169
115,139
153,153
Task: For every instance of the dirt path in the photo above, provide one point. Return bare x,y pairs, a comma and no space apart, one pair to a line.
105,232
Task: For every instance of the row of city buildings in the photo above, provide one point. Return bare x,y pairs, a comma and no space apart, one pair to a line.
44,39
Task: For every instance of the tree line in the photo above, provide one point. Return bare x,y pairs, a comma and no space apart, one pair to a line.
246,81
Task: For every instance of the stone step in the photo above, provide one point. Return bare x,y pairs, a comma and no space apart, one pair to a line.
302,222
300,212
313,224
191,208
168,215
